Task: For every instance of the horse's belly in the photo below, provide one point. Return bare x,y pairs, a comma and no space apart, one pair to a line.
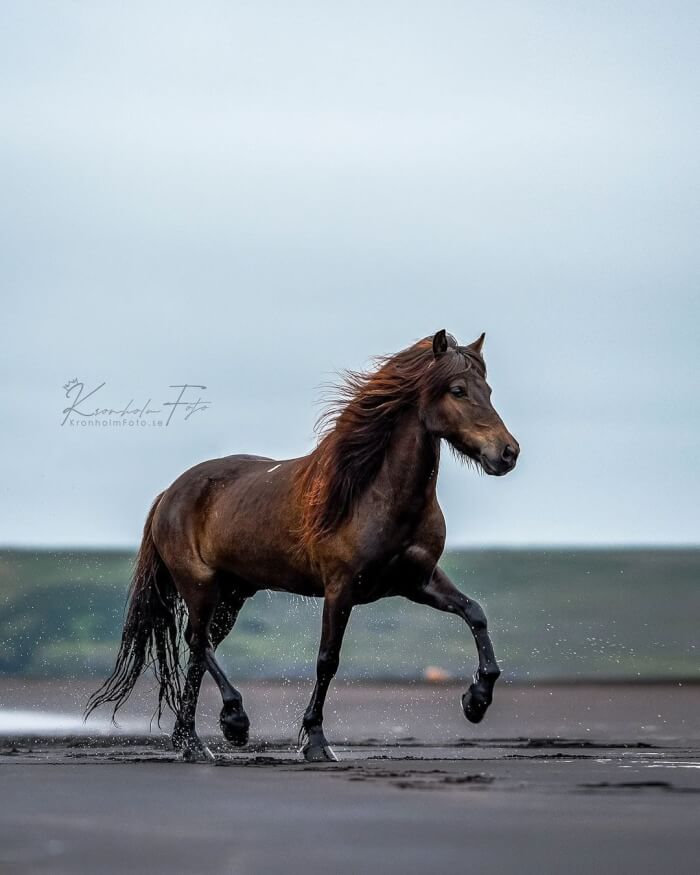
300,586
267,569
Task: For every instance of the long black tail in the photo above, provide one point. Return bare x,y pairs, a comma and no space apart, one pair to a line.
152,633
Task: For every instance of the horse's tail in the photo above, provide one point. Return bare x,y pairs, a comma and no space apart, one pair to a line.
151,635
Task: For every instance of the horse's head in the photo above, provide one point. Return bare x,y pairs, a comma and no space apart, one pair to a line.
457,406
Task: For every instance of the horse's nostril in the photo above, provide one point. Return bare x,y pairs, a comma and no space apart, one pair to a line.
509,454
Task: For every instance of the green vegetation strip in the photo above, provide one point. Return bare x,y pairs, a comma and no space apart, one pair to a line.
554,614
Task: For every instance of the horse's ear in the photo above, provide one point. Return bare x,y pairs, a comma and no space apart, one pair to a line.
478,343
440,343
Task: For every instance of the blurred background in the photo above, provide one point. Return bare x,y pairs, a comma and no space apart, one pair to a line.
248,197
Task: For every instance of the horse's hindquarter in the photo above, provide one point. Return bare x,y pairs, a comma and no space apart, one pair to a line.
233,516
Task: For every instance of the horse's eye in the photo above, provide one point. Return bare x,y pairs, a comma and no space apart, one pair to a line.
457,391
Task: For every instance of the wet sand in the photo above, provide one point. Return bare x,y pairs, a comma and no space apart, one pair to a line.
574,779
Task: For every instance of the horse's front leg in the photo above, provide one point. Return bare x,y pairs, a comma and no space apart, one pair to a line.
442,594
336,613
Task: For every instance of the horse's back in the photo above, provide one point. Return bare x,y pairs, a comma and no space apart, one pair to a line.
224,467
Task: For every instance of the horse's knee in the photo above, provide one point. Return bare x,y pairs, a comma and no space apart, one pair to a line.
327,663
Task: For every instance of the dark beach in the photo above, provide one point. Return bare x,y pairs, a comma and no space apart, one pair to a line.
559,778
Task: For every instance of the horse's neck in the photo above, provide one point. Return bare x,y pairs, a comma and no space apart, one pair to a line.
410,467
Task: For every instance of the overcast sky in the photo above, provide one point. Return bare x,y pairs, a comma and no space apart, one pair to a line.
249,196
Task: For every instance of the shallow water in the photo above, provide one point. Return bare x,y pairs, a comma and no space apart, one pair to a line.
387,713
54,723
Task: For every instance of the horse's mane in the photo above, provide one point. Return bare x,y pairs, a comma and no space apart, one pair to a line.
357,425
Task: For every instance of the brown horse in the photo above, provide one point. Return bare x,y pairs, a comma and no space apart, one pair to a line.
354,521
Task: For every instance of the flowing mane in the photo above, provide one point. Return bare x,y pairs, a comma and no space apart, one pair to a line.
356,427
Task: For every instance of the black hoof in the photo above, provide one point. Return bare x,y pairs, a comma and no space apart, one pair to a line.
476,701
235,726
318,753
315,748
189,744
197,754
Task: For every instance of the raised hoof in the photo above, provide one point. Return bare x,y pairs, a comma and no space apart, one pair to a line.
318,753
235,727
475,702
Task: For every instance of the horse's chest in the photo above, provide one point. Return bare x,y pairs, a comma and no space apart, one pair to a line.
385,576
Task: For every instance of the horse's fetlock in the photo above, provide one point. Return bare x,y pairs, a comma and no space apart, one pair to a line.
233,703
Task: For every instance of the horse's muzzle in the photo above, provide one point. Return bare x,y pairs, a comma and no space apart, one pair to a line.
498,464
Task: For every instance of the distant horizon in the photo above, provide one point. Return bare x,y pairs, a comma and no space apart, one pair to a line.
553,546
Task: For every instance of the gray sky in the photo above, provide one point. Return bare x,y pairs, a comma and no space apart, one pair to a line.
252,195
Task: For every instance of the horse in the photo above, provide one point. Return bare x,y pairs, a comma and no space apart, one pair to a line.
354,521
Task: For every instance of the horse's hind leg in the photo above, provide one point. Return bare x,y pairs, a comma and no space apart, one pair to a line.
225,614
184,737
